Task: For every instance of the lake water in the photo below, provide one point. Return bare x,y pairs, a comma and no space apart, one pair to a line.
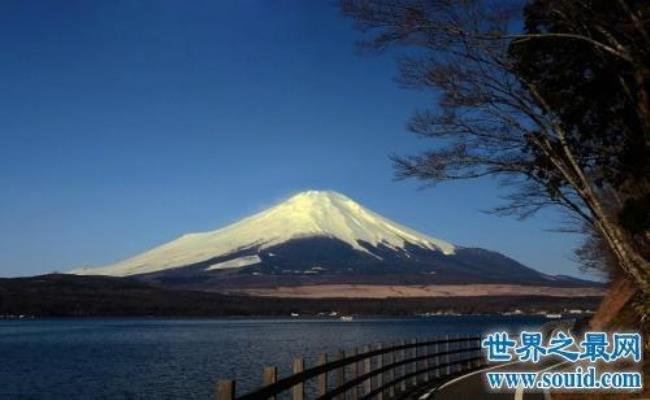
182,358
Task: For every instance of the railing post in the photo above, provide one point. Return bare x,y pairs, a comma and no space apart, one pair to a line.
322,378
367,368
299,388
469,352
379,381
458,356
391,373
402,368
474,354
270,377
354,372
414,364
425,363
340,374
461,353
225,389
436,350
448,356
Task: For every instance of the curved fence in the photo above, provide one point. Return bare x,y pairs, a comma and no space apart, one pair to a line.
372,372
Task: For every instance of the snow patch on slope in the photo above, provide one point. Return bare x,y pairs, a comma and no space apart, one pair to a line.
236,263
307,214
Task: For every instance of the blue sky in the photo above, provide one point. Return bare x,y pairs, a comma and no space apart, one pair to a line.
127,123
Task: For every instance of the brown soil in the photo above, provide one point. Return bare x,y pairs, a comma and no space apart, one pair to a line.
391,291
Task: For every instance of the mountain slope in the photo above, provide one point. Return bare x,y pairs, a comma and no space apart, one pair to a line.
319,237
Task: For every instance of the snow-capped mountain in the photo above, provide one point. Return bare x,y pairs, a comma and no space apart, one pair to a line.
307,214
318,235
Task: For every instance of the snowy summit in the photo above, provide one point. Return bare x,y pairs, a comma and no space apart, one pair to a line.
308,214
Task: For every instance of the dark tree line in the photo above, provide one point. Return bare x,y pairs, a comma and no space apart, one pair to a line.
556,106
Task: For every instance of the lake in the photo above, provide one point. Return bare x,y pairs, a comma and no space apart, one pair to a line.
139,358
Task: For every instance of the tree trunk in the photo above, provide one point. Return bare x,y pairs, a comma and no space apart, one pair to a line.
631,261
643,102
618,295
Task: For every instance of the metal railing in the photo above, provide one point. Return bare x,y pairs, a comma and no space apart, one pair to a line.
377,372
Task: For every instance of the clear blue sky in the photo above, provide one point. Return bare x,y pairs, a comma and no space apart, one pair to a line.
124,124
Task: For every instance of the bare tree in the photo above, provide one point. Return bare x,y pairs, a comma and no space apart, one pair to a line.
492,121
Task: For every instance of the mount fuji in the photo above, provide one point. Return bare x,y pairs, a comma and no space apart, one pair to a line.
321,238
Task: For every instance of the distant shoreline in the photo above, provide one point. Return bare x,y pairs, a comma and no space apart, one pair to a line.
287,318
62,295
356,291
